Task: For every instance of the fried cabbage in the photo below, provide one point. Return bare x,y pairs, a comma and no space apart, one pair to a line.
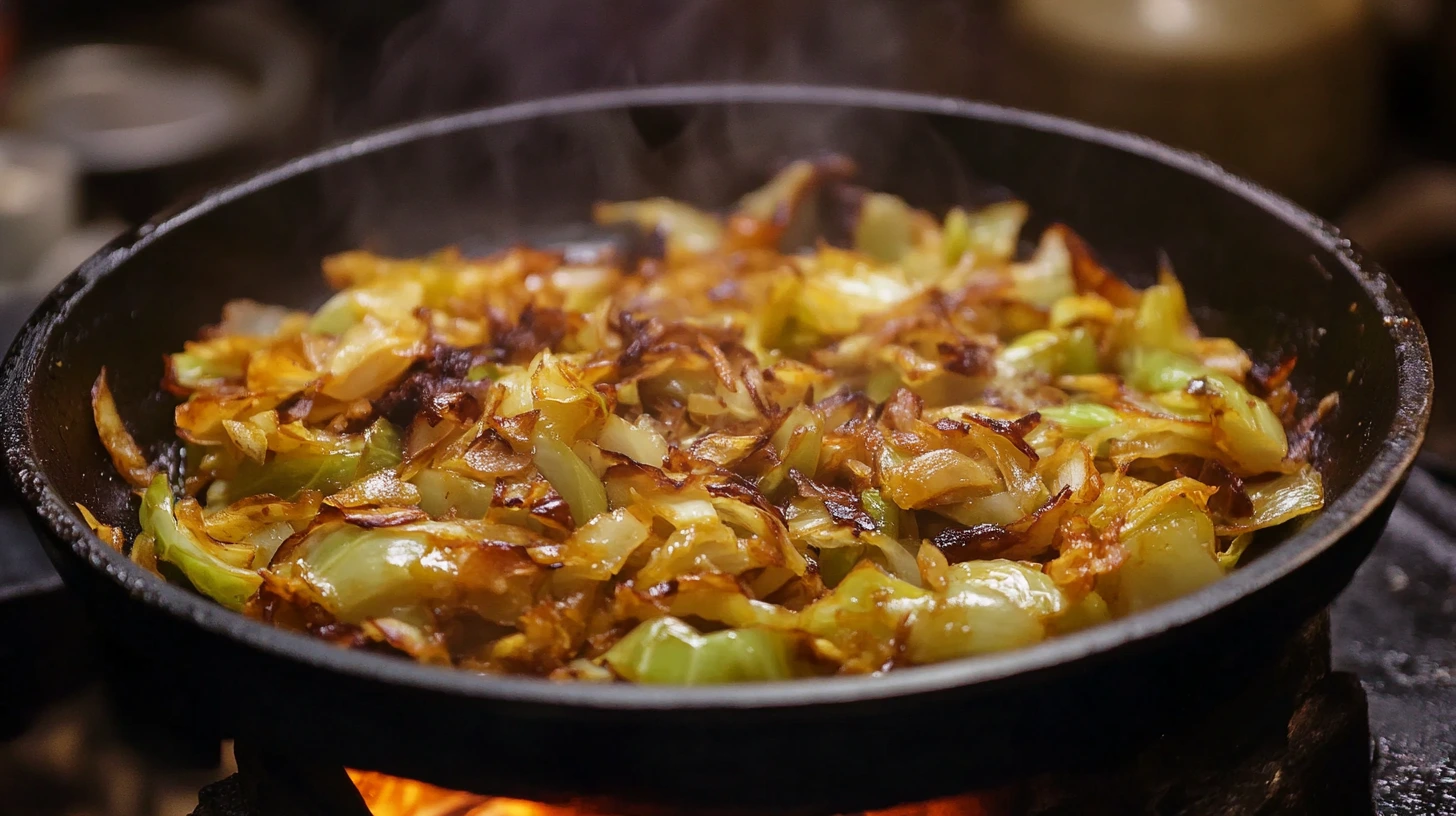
747,454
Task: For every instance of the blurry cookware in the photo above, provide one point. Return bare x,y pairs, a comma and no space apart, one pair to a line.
37,200
158,110
1285,92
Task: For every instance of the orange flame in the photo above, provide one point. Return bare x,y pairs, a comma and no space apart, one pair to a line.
393,796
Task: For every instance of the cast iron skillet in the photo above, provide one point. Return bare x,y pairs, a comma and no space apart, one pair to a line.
1257,268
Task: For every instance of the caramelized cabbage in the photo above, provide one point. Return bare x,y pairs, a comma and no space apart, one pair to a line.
740,452
986,606
126,455
201,561
668,651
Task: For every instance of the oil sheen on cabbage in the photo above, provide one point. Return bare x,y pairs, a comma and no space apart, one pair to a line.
820,433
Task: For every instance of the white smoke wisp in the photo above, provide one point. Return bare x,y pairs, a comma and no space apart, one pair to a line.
461,54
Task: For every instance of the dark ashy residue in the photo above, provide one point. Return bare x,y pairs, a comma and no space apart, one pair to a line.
1406,784
1396,627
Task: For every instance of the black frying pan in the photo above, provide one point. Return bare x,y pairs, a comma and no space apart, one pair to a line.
1256,267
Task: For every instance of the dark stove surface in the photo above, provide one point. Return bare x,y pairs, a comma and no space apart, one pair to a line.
1395,627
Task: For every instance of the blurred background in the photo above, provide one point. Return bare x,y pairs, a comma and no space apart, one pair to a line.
111,111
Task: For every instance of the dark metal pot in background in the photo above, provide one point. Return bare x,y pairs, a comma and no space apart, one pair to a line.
159,105
1257,269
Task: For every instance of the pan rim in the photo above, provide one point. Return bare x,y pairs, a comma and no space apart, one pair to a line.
1372,488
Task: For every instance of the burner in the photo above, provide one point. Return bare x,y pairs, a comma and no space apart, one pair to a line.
1294,741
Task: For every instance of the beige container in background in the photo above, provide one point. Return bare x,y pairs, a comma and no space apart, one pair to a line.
1284,91
38,201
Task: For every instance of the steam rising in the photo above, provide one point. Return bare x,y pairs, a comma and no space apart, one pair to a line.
460,54
508,184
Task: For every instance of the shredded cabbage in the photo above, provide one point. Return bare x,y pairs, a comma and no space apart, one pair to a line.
199,560
668,651
743,453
